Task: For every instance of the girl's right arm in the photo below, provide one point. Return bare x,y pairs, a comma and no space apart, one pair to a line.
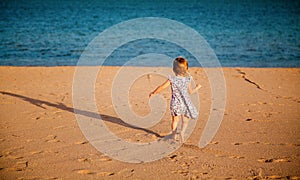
192,91
160,88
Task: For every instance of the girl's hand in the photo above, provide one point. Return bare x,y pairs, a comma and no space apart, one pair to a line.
192,91
160,88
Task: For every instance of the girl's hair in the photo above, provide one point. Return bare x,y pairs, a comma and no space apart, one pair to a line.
181,66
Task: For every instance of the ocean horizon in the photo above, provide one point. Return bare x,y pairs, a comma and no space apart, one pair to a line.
241,33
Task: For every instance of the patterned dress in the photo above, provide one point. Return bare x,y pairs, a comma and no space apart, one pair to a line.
181,103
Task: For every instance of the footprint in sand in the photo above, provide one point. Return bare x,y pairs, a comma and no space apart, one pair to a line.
105,159
22,164
236,157
36,152
191,146
36,118
237,143
19,166
14,169
126,172
214,142
282,160
275,160
83,159
15,157
183,172
265,160
51,139
282,177
244,143
82,142
105,173
231,157
253,142
85,172
173,157
102,158
278,177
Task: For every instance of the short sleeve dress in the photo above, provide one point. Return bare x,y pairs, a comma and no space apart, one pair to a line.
181,103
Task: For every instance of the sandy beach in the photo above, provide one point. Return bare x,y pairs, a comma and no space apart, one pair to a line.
259,137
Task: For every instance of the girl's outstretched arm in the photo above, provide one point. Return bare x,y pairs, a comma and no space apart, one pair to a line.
160,88
192,91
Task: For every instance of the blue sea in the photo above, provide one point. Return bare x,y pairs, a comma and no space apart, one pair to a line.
241,33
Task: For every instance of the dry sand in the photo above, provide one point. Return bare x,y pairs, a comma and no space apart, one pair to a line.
258,138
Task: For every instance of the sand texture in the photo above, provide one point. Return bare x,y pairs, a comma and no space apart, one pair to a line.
259,137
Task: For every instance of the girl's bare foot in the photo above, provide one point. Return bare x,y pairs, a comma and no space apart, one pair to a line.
181,139
174,135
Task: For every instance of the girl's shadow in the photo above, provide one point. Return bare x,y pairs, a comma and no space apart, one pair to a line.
40,103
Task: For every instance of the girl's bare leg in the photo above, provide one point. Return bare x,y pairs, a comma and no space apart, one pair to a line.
184,125
174,126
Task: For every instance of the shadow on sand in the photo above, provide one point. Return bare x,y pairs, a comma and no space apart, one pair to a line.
40,103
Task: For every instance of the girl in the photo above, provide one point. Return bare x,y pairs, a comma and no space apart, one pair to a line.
181,104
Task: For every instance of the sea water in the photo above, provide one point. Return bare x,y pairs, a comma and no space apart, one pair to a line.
241,33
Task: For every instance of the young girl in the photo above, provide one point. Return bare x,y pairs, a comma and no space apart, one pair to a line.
181,104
